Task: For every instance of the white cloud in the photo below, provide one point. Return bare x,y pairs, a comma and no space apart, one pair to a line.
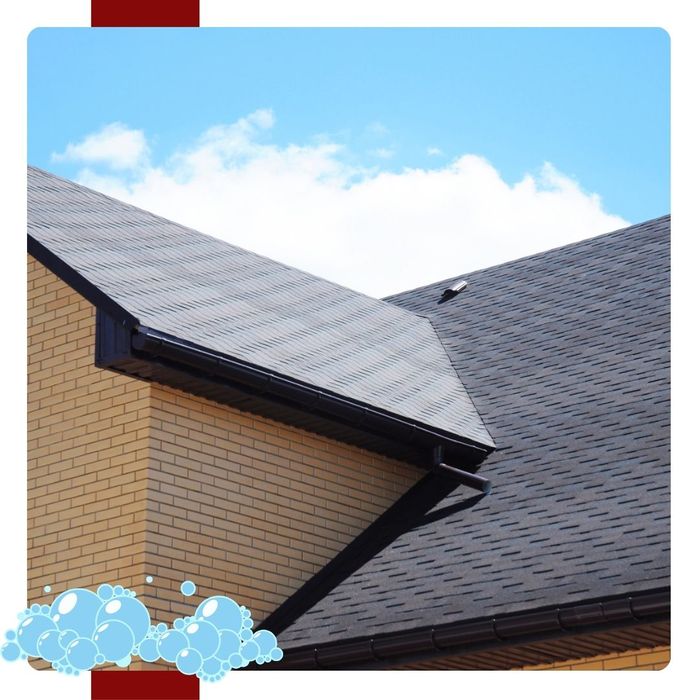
115,146
372,230
433,151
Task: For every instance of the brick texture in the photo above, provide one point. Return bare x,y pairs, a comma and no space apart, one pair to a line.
651,659
127,479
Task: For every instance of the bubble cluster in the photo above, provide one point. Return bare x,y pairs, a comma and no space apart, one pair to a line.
83,629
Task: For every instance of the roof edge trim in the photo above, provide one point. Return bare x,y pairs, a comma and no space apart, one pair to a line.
80,284
476,635
156,344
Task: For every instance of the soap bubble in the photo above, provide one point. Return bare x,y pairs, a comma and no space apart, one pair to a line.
161,627
10,651
118,590
171,644
105,591
229,643
130,611
246,635
149,579
188,588
114,640
99,659
148,650
47,589
250,651
203,637
10,635
188,661
266,641
236,660
49,646
276,654
29,631
222,612
123,663
81,653
179,623
65,638
75,610
211,666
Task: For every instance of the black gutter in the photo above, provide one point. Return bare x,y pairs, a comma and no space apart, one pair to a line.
155,344
483,634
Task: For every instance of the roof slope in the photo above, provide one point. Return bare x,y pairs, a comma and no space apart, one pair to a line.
566,355
229,300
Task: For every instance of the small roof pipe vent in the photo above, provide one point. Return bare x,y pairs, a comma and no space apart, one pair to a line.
454,290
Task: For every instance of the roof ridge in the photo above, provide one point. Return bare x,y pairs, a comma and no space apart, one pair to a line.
591,240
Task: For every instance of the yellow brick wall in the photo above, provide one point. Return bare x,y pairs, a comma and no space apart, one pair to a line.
650,659
87,450
127,479
251,507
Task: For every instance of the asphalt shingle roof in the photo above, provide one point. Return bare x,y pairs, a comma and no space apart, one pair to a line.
566,355
229,300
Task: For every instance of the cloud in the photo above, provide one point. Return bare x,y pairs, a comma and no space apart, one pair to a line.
310,205
433,151
115,146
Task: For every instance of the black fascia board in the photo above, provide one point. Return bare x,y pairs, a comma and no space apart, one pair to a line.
152,355
471,636
79,283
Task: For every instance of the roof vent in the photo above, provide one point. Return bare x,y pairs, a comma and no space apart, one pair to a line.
454,290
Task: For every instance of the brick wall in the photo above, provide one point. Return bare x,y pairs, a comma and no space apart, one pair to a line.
650,659
127,479
87,450
251,507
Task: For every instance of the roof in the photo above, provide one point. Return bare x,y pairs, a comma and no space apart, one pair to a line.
566,356
204,291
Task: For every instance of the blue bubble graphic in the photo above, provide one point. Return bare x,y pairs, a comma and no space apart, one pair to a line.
29,631
222,612
118,590
75,610
161,627
105,591
179,623
203,637
65,638
276,654
188,588
148,650
266,641
211,666
171,644
229,643
250,651
10,635
188,661
47,589
49,646
149,579
81,653
123,663
114,640
236,660
10,651
246,635
99,659
130,611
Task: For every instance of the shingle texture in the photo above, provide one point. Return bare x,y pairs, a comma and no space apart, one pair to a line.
229,300
566,355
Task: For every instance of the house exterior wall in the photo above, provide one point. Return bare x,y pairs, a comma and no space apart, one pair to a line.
87,450
127,478
250,506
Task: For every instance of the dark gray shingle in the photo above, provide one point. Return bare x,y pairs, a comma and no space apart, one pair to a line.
566,356
202,290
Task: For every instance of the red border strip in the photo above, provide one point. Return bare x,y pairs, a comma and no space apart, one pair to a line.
145,13
144,685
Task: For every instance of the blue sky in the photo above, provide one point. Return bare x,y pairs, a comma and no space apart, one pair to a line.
593,103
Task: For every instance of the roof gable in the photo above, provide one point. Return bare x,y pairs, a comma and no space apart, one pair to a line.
201,290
